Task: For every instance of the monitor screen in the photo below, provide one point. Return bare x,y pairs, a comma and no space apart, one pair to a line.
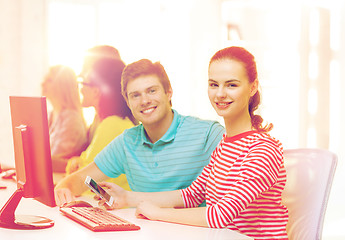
32,157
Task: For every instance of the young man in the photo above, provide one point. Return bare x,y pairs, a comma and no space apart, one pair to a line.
167,151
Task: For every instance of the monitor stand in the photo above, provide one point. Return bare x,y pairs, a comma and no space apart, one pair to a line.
9,220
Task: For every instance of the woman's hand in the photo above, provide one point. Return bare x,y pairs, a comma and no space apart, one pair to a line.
188,216
148,210
73,165
117,192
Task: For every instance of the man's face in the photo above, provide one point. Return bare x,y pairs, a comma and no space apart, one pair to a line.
148,101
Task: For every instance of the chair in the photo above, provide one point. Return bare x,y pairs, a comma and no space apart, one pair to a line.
309,179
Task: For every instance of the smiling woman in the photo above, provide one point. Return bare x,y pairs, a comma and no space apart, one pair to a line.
233,90
229,95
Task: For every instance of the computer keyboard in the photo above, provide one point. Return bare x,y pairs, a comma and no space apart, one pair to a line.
97,219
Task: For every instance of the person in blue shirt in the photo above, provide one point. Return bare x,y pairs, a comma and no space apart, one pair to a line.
166,151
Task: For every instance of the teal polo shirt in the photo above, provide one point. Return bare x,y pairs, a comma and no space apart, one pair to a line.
171,163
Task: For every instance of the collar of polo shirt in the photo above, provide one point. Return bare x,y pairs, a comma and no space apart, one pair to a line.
167,137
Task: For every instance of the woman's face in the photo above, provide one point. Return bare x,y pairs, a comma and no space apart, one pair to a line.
229,89
47,86
90,92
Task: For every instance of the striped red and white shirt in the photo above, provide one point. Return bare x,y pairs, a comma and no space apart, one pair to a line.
242,186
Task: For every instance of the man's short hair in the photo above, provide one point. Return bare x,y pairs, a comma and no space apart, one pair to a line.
144,67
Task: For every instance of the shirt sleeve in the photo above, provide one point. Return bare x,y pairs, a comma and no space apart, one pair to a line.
106,131
109,160
214,136
194,195
258,174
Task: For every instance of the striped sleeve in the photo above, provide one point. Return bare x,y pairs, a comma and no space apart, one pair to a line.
257,174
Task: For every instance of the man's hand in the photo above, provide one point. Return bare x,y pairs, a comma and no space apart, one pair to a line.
62,196
117,192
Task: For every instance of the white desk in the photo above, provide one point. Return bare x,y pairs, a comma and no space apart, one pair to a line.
66,228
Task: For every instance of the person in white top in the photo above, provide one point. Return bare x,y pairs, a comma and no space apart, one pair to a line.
67,127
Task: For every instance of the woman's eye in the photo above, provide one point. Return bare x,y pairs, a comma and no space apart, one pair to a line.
213,85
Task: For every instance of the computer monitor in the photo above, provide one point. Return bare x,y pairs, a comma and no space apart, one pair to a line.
32,162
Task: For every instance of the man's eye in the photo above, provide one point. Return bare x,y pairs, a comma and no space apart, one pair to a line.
213,85
136,95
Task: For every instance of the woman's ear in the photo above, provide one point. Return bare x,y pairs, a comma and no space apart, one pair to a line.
254,87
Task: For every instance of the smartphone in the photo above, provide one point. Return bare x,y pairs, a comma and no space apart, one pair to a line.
99,190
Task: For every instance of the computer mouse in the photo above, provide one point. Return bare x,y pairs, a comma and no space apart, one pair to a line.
77,203
9,174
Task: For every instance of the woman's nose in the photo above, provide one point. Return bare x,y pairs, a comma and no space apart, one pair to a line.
220,93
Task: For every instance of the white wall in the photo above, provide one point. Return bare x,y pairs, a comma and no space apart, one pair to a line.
186,35
22,59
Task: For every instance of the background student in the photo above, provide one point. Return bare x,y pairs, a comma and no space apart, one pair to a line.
167,151
96,53
101,89
93,55
67,127
245,178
